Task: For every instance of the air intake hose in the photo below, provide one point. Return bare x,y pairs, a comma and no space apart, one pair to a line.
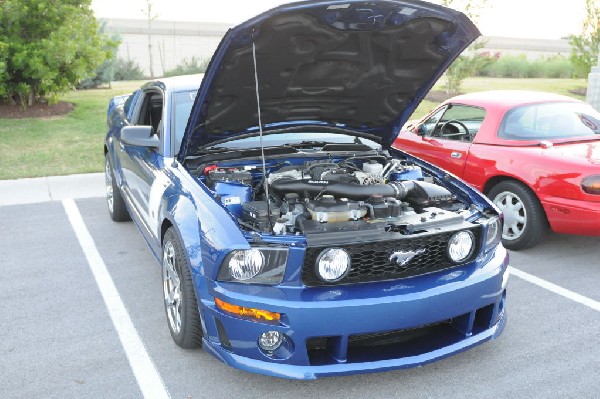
353,191
418,193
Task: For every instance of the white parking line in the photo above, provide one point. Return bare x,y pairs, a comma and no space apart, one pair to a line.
555,289
144,370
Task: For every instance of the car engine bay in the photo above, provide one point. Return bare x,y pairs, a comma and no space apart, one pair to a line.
333,198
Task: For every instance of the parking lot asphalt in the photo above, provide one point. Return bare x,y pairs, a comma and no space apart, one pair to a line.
60,338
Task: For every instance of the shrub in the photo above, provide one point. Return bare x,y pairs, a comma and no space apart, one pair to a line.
558,67
127,70
518,66
105,71
466,65
188,67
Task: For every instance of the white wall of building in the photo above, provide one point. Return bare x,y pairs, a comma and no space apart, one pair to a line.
174,41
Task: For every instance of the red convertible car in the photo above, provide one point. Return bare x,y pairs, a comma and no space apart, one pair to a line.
536,155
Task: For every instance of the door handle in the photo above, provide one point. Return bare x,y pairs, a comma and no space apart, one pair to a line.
456,154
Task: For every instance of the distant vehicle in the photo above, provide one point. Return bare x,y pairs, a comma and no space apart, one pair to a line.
294,241
536,155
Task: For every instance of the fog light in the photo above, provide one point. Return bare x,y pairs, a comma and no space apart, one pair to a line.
332,265
461,246
270,340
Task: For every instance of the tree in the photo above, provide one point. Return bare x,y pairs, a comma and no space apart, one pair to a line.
150,17
465,65
47,47
106,70
584,47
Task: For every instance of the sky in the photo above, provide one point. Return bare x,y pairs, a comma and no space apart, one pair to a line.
535,19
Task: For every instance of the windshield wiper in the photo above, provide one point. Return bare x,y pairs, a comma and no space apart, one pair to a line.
308,143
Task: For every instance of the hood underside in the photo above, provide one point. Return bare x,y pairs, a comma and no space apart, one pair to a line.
362,66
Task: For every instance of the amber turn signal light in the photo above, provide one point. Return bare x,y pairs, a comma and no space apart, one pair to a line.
247,312
591,184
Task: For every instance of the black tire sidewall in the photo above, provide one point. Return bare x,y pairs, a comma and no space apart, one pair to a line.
536,223
119,212
190,335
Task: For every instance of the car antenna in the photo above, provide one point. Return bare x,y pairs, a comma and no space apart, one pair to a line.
260,130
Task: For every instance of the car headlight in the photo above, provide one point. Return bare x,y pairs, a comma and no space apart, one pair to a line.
257,265
461,246
493,233
243,265
332,265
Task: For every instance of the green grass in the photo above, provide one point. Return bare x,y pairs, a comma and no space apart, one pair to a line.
60,145
73,143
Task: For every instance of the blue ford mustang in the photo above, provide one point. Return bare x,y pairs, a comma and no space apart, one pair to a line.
294,241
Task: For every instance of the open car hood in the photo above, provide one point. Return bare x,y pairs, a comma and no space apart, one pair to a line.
362,66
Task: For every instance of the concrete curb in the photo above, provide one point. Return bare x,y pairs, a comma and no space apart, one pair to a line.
51,188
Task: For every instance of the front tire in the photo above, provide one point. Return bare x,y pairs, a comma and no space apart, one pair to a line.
181,305
525,222
114,200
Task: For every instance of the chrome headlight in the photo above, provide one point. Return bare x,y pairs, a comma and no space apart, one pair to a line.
244,265
332,265
461,246
261,265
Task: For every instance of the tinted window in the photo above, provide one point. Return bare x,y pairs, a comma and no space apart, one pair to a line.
550,121
182,107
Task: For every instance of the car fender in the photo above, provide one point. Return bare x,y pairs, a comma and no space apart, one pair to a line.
206,229
485,167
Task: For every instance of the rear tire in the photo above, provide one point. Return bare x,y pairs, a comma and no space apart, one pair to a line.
181,305
114,200
525,222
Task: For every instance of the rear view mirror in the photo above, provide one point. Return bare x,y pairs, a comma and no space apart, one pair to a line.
141,136
421,130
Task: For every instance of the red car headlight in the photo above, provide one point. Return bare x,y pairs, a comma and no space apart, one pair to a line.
591,184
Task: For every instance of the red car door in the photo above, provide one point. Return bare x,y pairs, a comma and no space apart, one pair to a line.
444,138
448,154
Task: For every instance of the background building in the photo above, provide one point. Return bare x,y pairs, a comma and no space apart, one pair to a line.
174,41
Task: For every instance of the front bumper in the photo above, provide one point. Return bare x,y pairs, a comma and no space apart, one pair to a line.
360,328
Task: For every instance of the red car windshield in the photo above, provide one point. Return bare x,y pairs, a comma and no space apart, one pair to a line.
551,121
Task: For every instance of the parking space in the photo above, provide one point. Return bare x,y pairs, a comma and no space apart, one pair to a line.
58,339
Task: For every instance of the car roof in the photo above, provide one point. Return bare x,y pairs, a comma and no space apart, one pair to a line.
177,83
508,98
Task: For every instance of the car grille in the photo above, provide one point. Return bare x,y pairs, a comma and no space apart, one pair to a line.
371,261
403,343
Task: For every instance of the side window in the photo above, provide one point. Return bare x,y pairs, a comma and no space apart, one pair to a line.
457,122
430,124
151,111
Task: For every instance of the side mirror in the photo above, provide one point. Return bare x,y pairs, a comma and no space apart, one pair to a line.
421,130
141,136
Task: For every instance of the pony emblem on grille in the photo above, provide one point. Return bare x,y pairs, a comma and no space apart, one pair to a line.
401,258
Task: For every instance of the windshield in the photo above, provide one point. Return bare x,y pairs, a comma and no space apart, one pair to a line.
548,121
182,107
279,139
